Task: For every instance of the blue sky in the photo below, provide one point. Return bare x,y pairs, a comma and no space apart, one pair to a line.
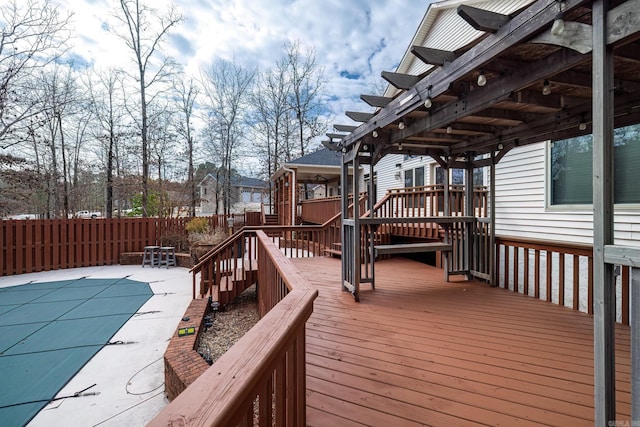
355,40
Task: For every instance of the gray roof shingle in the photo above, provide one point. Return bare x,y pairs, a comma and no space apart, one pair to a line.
322,157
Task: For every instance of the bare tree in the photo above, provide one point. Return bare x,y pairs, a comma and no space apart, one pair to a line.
161,144
33,34
306,81
187,94
61,103
146,29
226,86
271,111
108,109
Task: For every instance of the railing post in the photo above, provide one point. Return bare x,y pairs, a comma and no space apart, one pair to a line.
603,217
635,343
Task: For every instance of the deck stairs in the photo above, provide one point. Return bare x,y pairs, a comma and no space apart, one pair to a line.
271,219
233,283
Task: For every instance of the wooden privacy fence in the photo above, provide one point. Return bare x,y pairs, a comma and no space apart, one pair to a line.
28,246
561,273
261,380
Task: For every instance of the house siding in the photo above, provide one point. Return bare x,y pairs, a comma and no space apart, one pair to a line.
521,209
386,170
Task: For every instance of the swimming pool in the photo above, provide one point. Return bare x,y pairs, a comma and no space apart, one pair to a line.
50,330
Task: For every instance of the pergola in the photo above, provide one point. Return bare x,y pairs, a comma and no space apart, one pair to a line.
554,70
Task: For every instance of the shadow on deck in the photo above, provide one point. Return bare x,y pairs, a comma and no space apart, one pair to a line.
421,351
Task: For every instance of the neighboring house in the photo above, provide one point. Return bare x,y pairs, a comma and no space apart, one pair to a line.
307,177
246,193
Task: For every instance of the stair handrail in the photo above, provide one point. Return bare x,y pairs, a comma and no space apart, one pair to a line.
234,237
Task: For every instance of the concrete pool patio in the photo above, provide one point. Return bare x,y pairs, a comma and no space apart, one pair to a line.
128,378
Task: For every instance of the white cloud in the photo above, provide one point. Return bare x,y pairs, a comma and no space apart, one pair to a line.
358,37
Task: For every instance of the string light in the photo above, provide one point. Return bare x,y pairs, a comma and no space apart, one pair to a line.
482,79
558,23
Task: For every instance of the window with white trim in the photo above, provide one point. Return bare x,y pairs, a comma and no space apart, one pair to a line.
571,169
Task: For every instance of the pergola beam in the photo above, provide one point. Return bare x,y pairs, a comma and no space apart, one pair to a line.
358,116
335,135
399,80
483,20
376,101
431,56
344,128
330,145
478,100
559,126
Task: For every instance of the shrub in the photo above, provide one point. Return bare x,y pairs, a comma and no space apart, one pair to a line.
214,237
197,225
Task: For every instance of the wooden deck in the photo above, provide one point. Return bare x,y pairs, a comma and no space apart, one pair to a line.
420,351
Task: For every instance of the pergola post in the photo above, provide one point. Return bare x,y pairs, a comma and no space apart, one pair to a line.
468,211
357,240
604,303
493,268
344,199
635,343
447,231
371,199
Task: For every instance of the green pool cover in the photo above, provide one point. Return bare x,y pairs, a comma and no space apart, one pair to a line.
50,330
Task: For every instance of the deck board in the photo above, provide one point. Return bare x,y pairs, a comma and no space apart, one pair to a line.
421,351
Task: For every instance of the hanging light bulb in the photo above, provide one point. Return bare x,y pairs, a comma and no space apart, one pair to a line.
482,79
374,134
401,125
583,124
558,23
546,88
449,129
400,146
428,102
558,26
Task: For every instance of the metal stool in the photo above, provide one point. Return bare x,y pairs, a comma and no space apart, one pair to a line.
151,256
167,256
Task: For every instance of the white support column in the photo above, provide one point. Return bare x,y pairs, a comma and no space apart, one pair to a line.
604,303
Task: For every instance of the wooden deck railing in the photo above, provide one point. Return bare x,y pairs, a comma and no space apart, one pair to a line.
261,380
230,260
558,272
319,211
428,200
425,201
